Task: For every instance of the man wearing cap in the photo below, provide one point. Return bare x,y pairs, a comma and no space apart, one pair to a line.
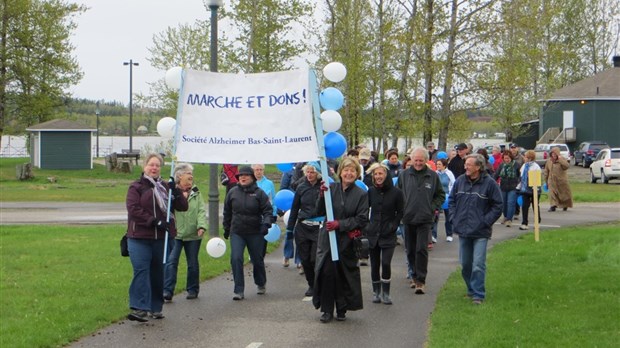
365,159
432,151
457,164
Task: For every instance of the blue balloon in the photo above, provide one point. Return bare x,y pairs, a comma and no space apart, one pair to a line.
442,155
361,185
395,181
284,199
545,188
331,98
492,160
335,144
444,206
284,167
520,200
273,234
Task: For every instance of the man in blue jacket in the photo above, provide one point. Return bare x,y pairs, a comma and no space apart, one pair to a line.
475,203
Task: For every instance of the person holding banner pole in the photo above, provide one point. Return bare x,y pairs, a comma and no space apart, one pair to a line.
148,224
247,219
337,284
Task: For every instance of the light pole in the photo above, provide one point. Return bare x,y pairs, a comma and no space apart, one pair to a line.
131,65
214,201
97,114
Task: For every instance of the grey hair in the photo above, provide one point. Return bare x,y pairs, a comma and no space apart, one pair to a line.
257,165
480,161
421,150
182,169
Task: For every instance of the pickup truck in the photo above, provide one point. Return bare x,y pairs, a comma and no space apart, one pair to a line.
542,152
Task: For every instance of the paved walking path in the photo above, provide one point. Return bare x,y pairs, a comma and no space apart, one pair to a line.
283,317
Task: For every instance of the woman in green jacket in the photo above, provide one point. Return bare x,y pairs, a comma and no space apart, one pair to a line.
191,226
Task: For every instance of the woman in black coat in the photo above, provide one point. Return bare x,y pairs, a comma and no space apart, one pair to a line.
337,284
304,222
386,211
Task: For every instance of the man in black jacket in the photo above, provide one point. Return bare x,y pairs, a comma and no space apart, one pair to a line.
423,195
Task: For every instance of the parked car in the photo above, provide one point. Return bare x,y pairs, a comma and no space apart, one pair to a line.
606,165
543,150
587,151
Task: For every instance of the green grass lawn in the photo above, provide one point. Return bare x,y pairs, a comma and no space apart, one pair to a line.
563,291
96,185
60,283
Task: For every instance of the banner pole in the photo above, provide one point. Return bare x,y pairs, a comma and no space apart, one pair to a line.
318,125
174,151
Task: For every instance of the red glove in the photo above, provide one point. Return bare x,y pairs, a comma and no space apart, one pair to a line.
323,188
354,234
332,225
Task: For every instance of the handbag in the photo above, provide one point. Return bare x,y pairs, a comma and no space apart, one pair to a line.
224,178
360,244
124,247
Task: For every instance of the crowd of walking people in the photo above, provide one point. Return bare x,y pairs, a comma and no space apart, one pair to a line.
376,205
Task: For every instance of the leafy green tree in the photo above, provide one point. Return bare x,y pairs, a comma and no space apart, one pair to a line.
269,33
36,62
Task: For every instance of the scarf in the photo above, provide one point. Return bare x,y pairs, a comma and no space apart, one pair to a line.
508,170
524,177
161,194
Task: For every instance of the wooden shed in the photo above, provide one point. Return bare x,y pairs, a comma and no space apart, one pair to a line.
586,110
61,144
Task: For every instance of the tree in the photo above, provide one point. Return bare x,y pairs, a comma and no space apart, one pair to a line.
267,39
36,63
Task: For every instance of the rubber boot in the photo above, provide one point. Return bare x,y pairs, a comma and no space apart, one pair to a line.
386,292
376,292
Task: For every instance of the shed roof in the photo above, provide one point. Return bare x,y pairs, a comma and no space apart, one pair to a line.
602,86
59,125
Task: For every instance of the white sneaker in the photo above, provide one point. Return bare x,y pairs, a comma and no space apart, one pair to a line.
434,240
449,239
524,227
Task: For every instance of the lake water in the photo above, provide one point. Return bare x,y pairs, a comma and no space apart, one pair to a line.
15,146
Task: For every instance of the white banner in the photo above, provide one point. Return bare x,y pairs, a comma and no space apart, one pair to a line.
246,118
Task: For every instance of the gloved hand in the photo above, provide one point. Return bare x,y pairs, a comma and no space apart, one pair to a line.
354,234
171,183
332,225
264,229
323,188
161,225
175,191
226,234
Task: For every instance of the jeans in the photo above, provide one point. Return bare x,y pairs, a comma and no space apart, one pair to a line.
255,244
192,247
447,224
146,291
473,255
416,242
289,248
510,202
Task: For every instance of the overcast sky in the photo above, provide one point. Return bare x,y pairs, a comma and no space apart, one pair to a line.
111,32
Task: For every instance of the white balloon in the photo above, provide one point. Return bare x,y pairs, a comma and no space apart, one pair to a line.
216,247
331,120
335,71
285,217
166,127
173,77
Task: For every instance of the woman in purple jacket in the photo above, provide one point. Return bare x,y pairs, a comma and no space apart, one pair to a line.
147,210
